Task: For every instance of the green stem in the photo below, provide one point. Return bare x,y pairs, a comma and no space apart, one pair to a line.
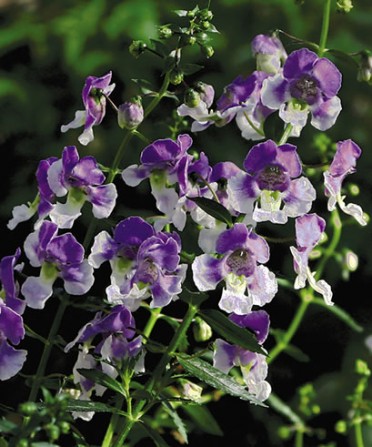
358,435
113,422
286,133
299,439
255,128
307,297
47,350
325,27
155,313
137,411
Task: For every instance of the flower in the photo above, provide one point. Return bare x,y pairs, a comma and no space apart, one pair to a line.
94,95
343,164
130,114
269,53
58,256
309,229
238,252
253,365
144,263
307,83
11,322
272,177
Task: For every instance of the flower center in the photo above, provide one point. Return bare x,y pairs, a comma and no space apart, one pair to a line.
273,178
306,89
149,272
241,262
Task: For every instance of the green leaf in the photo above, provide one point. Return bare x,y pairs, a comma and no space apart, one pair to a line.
144,85
87,405
176,419
7,426
3,443
340,313
160,47
102,379
43,444
203,418
231,331
214,209
215,378
181,12
189,69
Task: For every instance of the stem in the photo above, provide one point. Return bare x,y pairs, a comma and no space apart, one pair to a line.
111,427
255,128
283,343
325,27
286,133
47,350
299,439
151,322
358,435
137,411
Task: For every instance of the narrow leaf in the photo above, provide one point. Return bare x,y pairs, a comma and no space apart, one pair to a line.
215,378
231,331
176,419
7,426
203,418
87,405
214,209
189,69
341,314
102,379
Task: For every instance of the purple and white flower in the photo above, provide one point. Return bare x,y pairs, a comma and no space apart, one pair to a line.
144,263
94,95
272,180
238,253
253,365
58,256
269,53
307,83
117,343
309,229
11,322
343,164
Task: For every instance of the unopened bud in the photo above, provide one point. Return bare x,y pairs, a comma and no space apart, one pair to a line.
165,32
344,5
341,427
130,114
361,368
353,189
207,50
365,67
202,37
137,47
206,92
176,76
205,14
201,330
351,261
192,98
191,391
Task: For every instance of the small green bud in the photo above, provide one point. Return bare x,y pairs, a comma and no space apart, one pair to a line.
64,426
205,25
192,98
187,39
353,189
361,368
23,443
344,5
207,50
284,432
52,431
165,32
365,67
176,76
202,37
137,47
341,427
205,14
28,408
190,14
201,330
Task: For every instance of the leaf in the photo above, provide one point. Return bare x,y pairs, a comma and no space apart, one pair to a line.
102,379
189,69
144,86
215,378
180,12
43,444
231,331
203,418
214,209
7,426
154,435
176,419
160,47
87,405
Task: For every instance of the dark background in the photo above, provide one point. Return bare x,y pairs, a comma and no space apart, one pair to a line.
47,48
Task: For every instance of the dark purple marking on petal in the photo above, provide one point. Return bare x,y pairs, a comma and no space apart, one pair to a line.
258,321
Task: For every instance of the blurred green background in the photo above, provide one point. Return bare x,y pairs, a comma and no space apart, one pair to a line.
49,47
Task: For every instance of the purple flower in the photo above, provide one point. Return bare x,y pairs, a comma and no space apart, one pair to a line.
94,95
144,263
253,365
309,229
307,83
130,114
238,252
58,256
269,53
82,180
116,343
272,178
343,164
11,323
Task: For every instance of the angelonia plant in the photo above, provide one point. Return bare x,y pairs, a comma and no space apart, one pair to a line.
138,263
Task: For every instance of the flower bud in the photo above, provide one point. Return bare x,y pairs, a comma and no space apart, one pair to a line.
176,76
351,261
192,98
130,114
191,391
206,92
202,37
361,368
344,5
137,47
165,32
205,14
365,67
207,50
201,330
341,426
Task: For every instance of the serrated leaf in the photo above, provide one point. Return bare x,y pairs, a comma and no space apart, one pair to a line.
203,418
176,419
189,69
87,405
230,331
102,379
214,209
215,378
